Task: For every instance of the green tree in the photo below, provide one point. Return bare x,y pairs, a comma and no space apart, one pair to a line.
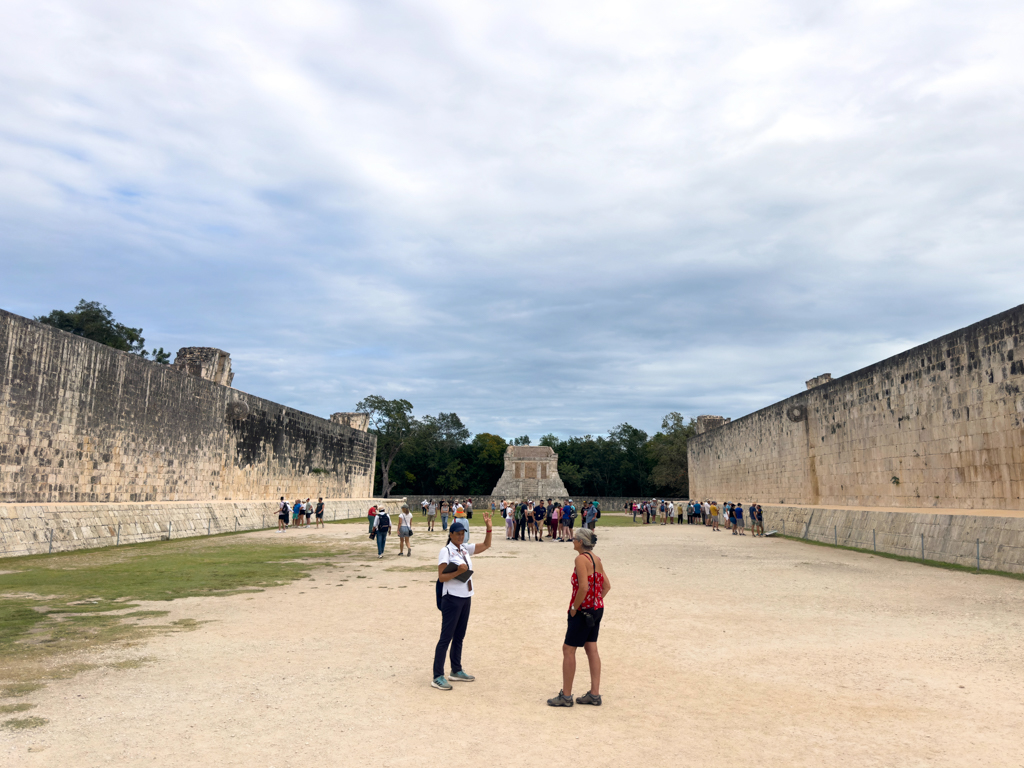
92,320
668,449
486,462
524,440
392,422
635,462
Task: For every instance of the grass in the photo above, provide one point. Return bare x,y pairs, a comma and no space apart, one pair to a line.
58,605
23,723
10,709
905,558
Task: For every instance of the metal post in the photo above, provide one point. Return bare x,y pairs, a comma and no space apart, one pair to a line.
236,525
169,524
978,553
922,546
874,541
51,541
118,534
835,531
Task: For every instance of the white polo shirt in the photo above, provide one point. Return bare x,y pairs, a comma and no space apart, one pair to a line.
458,555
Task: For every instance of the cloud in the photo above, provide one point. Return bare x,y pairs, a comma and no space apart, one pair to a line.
543,216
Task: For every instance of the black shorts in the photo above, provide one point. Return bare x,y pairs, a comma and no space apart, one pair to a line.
283,516
578,633
319,515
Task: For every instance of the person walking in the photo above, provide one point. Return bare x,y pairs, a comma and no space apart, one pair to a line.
586,609
444,515
431,514
320,513
456,600
424,504
590,521
404,530
381,527
510,520
282,515
370,516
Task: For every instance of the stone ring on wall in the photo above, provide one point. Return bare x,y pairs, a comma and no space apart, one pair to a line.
796,412
238,410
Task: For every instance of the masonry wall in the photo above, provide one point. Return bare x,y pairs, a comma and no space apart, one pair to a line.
29,529
937,426
81,422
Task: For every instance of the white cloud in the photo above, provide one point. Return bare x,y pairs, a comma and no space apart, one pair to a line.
542,215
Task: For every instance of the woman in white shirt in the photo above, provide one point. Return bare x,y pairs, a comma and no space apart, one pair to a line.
404,530
455,599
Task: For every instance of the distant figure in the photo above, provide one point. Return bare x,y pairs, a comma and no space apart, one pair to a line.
404,530
282,515
380,529
370,515
431,514
320,512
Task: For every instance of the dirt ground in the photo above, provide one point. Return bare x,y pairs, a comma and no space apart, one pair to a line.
718,651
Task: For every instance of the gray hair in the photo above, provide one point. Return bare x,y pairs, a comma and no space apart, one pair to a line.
586,537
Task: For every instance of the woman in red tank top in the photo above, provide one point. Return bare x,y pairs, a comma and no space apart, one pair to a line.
586,609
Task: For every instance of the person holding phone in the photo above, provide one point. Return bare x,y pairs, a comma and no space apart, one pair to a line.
456,598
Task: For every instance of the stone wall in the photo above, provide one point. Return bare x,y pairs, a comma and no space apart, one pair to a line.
997,543
29,529
937,426
81,422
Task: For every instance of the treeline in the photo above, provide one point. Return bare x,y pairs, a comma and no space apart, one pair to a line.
434,454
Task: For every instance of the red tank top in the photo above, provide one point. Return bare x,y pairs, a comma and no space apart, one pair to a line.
595,587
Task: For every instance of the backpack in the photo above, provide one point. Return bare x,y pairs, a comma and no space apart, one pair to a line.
598,516
384,521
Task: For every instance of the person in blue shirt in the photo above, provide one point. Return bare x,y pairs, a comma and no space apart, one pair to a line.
738,512
297,514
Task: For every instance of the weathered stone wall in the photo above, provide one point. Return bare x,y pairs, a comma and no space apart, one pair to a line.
936,426
531,472
996,543
81,422
29,529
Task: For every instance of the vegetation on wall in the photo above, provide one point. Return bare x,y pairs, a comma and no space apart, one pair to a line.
92,320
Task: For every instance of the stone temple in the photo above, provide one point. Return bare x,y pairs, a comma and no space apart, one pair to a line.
531,472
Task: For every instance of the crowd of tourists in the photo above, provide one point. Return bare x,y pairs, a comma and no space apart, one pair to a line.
299,514
707,513
529,520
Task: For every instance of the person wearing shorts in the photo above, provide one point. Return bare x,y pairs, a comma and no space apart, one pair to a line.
738,513
539,513
320,512
759,516
282,515
431,515
590,585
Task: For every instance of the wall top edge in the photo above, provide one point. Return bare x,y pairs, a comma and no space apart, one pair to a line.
823,390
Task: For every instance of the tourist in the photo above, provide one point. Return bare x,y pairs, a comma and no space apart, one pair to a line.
431,514
738,514
320,512
381,527
282,515
636,508
705,511
539,513
670,508
570,521
586,609
554,520
469,509
424,504
404,530
760,521
456,599
444,515
510,519
519,515
297,513
713,514
370,515
590,521
307,511
663,512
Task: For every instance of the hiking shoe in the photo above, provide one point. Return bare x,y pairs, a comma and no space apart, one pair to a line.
461,677
441,684
589,698
560,701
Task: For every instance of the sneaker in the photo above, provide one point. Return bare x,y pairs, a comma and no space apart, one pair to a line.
589,698
461,677
560,701
441,684
409,553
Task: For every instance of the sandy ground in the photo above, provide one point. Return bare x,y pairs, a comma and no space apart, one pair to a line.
718,651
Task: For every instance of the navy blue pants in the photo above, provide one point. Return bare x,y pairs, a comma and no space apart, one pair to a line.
382,536
454,620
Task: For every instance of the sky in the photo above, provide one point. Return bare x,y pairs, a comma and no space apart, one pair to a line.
543,216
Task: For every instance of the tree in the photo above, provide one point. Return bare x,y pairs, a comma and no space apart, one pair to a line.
392,422
92,320
635,463
524,440
668,448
